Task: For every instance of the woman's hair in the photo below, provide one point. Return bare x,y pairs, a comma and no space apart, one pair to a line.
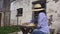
44,11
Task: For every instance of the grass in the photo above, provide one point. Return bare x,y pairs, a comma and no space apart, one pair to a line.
7,30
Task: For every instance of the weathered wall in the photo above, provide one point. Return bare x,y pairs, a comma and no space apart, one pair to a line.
54,9
1,4
27,10
5,11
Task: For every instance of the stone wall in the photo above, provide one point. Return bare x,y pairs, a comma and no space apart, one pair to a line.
1,5
27,11
5,11
54,9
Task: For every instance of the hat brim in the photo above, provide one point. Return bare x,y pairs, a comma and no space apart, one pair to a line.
38,9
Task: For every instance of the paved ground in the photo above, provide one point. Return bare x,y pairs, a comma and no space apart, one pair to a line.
17,32
20,32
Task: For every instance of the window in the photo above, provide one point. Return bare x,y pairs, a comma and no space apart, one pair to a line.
20,12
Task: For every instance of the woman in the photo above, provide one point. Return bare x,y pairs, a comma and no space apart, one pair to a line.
42,26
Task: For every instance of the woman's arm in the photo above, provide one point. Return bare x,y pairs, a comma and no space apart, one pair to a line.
29,21
40,20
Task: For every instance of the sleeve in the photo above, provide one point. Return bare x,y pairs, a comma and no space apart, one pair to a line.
40,20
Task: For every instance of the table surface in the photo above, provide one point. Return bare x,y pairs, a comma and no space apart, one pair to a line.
28,26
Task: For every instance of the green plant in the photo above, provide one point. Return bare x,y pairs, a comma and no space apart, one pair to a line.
10,29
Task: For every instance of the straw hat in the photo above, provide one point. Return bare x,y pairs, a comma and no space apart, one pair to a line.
38,6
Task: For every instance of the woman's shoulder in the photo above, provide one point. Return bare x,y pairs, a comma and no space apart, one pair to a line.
42,14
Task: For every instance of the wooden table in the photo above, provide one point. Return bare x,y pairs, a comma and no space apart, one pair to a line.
27,29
